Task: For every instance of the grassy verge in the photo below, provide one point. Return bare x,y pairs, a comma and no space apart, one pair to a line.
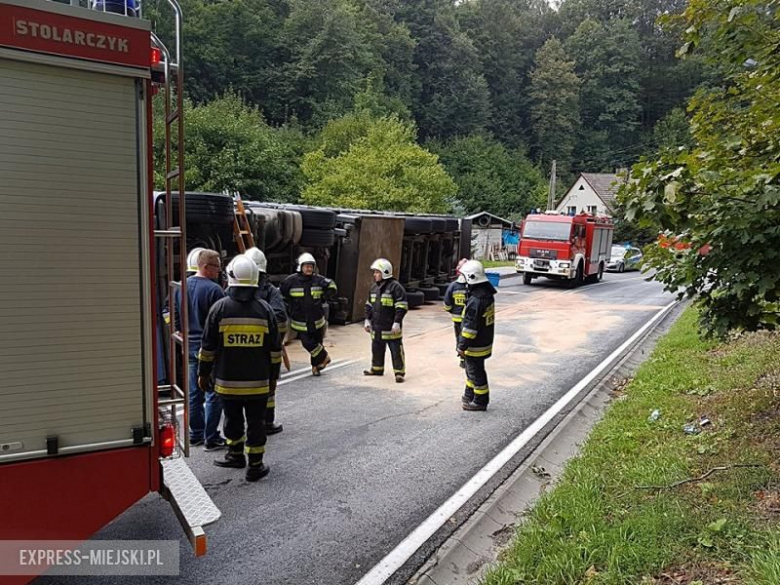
597,526
497,263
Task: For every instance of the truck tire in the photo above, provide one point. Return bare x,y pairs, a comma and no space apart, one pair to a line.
317,238
527,278
318,219
431,293
204,208
579,278
417,225
415,298
438,225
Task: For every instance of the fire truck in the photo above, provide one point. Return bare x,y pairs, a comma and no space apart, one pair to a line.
574,249
86,428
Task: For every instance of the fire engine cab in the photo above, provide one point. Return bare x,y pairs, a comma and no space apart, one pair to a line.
561,247
86,429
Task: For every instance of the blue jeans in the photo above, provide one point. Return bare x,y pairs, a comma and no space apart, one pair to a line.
203,420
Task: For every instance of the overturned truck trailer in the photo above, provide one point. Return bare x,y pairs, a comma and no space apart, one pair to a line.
423,249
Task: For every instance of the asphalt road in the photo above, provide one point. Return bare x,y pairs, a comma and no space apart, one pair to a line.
363,461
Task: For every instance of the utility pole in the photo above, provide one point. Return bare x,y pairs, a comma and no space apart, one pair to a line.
551,194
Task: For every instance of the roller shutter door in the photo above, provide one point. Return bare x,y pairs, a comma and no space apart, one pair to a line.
71,331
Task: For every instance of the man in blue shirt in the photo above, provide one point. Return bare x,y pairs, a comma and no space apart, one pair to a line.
202,293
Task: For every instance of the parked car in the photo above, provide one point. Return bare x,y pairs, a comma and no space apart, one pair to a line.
624,258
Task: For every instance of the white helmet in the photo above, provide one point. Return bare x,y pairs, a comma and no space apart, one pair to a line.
256,255
474,272
242,272
383,265
192,259
306,258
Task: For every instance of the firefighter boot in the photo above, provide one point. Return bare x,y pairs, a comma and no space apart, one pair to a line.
272,428
234,458
473,406
257,469
399,378
324,364
374,372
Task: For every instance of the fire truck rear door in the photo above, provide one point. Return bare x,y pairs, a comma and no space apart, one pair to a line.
74,343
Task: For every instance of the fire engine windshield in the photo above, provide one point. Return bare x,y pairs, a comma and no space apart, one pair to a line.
547,230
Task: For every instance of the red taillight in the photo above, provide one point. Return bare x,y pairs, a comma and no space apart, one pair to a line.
167,440
156,56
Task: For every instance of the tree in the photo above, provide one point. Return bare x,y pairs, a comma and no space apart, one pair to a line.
230,148
327,57
370,163
555,104
607,62
453,97
673,131
491,177
506,34
718,203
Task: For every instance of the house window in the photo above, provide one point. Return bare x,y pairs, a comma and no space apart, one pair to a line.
571,210
592,209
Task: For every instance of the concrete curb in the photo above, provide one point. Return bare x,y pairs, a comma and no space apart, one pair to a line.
469,552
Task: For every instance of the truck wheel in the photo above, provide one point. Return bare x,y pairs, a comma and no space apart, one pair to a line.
415,298
578,278
417,225
527,278
431,293
318,219
317,238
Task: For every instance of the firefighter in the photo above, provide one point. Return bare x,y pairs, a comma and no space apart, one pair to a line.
305,293
270,294
385,310
475,343
455,301
241,349
202,294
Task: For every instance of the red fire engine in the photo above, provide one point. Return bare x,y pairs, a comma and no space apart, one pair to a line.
86,430
571,248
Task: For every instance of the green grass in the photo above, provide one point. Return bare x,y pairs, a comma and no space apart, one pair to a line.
497,263
595,527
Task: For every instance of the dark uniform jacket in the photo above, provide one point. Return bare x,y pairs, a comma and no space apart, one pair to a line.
455,300
386,305
240,344
476,335
270,294
304,296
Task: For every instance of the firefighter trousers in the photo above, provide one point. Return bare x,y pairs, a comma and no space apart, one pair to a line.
378,346
458,326
477,389
312,342
270,407
245,425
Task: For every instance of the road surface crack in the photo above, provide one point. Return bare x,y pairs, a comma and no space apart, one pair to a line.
406,413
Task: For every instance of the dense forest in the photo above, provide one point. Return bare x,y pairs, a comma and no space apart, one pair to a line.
428,105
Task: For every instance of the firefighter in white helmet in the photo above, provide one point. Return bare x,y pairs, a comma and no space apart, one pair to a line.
306,293
192,260
241,350
475,343
270,294
385,310
455,301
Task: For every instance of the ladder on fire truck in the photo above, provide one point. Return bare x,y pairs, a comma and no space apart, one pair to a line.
172,239
242,232
190,501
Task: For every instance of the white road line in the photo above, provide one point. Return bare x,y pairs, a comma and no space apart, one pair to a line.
326,370
404,551
286,375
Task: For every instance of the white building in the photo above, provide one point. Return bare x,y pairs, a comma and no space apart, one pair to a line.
593,193
488,237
